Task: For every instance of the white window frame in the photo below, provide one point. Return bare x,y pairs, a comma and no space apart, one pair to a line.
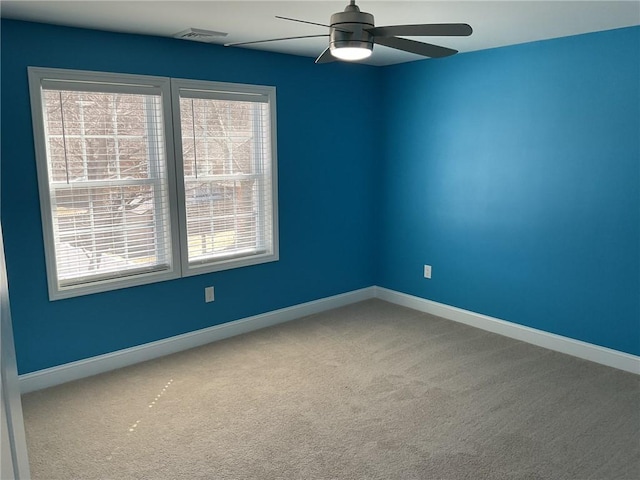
169,91
219,90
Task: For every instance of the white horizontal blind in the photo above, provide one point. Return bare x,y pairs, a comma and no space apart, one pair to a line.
227,171
144,178
108,183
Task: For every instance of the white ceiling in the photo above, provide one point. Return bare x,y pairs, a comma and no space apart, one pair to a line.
495,23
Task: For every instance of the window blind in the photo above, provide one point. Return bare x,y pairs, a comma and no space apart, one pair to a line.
108,183
144,179
227,173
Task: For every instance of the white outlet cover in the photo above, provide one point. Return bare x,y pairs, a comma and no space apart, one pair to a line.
209,294
427,271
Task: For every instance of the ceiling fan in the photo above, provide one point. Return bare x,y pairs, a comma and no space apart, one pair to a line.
352,34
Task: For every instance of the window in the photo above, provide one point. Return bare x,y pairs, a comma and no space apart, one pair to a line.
121,206
224,153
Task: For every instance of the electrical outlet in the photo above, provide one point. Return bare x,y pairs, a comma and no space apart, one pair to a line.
209,294
427,271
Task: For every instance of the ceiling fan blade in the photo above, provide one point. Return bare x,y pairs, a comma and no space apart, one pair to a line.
425,30
237,44
342,29
326,57
424,49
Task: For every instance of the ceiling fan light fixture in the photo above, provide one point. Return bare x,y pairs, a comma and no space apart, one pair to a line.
348,38
351,54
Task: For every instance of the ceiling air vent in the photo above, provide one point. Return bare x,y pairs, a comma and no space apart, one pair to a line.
199,35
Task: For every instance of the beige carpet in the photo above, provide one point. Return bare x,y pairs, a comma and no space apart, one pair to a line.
368,391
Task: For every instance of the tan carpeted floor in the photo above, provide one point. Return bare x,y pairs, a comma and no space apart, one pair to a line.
368,391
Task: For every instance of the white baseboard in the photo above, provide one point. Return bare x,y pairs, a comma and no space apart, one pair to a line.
558,343
103,363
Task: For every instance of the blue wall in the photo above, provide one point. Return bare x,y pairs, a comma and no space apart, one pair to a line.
326,186
515,173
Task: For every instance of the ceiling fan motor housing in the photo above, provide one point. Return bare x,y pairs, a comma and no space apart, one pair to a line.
347,29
